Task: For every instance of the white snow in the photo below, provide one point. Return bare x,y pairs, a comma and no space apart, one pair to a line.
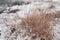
11,20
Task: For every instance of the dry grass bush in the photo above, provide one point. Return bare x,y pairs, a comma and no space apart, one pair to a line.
40,25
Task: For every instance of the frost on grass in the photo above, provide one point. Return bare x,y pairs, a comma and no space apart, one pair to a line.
35,21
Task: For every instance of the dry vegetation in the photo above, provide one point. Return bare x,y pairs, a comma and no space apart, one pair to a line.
36,25
40,25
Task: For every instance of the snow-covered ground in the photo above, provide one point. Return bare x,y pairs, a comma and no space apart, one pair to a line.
11,18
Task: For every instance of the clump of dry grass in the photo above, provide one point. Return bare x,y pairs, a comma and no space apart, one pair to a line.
40,25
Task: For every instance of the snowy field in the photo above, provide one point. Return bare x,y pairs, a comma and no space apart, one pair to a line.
11,19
